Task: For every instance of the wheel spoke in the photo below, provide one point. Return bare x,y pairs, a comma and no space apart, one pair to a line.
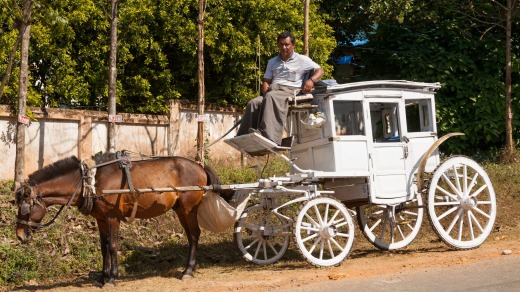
464,177
375,214
337,244
331,251
456,178
318,215
477,192
258,247
474,219
454,221
316,242
341,234
451,210
470,226
375,225
461,225
482,212
309,228
309,237
334,217
473,182
401,232
453,196
451,203
313,222
450,184
326,214
251,244
322,247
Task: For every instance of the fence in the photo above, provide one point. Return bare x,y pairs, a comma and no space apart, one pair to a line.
58,133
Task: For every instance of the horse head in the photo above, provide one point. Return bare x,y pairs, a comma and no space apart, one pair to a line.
45,187
31,210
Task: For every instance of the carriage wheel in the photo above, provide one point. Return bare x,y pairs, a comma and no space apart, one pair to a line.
324,231
261,236
461,203
391,227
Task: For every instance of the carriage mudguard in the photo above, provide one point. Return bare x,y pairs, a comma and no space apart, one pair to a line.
427,154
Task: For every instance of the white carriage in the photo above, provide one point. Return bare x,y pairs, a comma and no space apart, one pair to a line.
372,154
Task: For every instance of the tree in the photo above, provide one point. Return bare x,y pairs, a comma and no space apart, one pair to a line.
25,31
491,14
112,76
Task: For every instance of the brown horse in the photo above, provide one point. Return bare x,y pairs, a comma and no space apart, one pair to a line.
59,184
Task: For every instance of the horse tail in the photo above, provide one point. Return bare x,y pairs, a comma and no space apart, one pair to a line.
212,175
214,179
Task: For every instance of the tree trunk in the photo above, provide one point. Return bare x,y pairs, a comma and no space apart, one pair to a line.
510,147
25,32
112,76
306,29
200,133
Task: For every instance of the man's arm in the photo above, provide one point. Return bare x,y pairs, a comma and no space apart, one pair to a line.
309,83
266,84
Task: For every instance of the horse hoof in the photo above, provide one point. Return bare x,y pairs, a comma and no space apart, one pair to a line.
186,277
108,285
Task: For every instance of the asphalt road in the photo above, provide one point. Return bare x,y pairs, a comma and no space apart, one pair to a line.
498,274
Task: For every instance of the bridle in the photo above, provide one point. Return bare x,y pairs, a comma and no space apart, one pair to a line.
35,198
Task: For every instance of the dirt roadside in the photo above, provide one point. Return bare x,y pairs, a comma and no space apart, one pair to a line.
364,261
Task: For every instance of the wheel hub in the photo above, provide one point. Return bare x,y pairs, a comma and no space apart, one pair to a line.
468,203
328,232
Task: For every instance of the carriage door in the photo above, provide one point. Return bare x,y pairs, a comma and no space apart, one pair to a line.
387,151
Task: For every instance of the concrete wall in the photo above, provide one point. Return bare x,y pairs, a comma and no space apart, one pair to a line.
60,133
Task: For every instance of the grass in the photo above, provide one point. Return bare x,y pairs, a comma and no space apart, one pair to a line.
70,247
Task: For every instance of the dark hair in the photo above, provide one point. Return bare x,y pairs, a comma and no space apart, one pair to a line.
285,35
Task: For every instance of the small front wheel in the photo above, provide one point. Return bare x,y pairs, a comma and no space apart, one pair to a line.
324,231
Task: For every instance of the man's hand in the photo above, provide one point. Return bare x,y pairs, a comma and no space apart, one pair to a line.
308,85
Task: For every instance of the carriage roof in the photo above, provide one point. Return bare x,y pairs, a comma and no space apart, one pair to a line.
378,84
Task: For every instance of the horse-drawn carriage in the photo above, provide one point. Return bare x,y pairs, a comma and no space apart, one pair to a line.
374,150
367,150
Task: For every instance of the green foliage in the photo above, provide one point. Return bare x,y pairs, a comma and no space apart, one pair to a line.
157,51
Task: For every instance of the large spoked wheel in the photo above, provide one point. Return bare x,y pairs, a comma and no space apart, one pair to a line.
461,203
324,231
391,227
261,236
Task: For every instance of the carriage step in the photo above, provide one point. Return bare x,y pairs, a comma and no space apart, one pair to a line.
257,145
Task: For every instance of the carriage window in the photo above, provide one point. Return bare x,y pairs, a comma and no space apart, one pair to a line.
385,122
348,117
418,116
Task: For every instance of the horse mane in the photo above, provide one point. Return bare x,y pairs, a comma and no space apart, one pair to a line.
55,169
103,157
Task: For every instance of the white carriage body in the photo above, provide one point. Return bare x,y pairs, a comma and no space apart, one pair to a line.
373,140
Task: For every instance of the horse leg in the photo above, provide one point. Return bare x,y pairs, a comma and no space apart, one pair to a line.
109,234
191,226
103,238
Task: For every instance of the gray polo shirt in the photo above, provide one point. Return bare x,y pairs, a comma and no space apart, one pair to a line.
290,73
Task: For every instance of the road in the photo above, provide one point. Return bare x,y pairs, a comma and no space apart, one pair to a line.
497,274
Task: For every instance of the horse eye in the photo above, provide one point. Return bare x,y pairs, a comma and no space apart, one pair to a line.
25,209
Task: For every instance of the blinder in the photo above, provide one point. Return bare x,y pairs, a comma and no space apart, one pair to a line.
26,198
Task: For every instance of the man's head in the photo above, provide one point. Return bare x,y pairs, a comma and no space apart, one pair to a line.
285,42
